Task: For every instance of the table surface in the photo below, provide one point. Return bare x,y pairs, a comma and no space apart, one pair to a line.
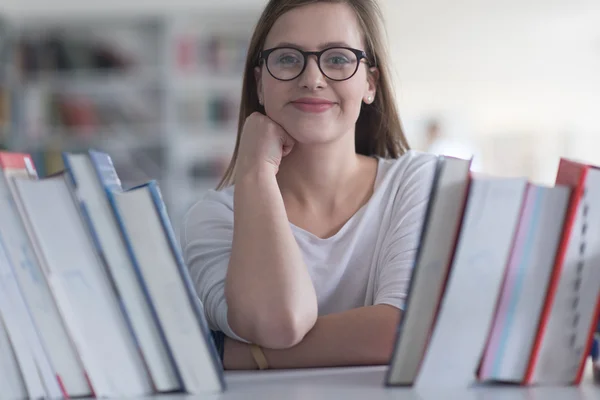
367,383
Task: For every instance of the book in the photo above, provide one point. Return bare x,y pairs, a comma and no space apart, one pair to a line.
91,194
31,279
11,379
434,257
568,320
476,275
24,336
526,283
151,242
81,287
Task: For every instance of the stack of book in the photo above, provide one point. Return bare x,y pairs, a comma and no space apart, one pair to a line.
506,285
95,299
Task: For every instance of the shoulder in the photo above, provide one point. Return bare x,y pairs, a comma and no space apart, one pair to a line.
412,169
214,210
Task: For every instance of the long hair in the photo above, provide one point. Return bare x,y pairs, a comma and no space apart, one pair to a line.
378,129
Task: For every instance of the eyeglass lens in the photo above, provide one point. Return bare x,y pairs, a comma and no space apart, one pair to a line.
335,63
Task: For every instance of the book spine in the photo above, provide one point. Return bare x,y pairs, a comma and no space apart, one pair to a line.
105,170
514,271
136,267
407,312
184,273
569,225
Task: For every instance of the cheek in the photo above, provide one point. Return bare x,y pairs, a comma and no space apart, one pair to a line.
351,100
274,91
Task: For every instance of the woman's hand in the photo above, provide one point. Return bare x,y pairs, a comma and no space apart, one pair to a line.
263,142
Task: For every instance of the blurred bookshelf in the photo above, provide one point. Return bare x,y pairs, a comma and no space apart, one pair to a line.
159,93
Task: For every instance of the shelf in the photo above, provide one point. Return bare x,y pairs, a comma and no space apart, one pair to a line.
203,83
164,105
72,139
97,81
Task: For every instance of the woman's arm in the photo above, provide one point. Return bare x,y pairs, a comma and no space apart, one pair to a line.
270,296
361,336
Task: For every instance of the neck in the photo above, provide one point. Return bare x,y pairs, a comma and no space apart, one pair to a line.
319,174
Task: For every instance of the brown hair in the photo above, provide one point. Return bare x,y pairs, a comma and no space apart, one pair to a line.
378,128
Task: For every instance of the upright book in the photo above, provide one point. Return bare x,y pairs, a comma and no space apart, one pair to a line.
82,288
572,305
91,193
157,258
467,308
525,285
434,258
12,385
32,282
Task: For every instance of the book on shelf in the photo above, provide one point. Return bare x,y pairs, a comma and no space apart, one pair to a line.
30,277
572,305
95,299
443,218
11,379
91,177
526,283
517,300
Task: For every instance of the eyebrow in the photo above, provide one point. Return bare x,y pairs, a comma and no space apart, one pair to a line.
321,46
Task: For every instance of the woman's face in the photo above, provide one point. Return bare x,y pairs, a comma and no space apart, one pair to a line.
292,103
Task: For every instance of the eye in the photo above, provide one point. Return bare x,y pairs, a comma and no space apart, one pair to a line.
338,60
288,59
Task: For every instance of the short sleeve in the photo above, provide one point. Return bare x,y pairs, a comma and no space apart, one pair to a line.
401,241
206,240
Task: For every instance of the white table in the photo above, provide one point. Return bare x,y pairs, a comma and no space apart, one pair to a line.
366,383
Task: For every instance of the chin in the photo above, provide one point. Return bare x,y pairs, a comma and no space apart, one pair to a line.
311,132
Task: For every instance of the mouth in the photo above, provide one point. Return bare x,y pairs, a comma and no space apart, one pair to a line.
312,105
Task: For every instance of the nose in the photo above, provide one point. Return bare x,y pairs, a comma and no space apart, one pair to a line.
312,78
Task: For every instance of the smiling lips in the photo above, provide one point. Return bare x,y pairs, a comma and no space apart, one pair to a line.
312,105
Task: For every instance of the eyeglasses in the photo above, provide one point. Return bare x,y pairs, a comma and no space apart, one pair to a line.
336,63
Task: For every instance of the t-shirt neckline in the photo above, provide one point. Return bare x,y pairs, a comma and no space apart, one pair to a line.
352,220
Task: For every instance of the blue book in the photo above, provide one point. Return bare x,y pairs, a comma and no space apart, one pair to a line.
91,177
146,228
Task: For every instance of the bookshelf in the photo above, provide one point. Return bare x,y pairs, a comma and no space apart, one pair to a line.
160,93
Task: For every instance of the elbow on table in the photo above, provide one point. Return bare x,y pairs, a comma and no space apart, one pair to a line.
274,330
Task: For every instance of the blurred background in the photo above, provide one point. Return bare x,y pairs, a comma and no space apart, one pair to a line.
156,84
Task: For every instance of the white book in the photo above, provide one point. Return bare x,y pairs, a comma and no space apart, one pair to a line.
527,278
12,385
433,261
474,284
92,195
566,325
82,288
38,374
37,294
147,229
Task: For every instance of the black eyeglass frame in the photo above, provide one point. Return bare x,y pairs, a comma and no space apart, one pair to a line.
360,55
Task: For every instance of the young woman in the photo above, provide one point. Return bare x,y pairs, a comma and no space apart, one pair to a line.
328,202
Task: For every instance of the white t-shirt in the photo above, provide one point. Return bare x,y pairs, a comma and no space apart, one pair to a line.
368,261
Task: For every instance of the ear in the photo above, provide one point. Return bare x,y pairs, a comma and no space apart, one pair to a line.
258,78
372,81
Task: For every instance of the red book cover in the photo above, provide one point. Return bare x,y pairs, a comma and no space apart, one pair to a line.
570,169
10,160
573,175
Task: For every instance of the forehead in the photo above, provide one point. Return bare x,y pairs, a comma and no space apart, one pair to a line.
312,26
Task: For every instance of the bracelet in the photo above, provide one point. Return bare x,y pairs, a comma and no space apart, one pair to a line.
259,357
